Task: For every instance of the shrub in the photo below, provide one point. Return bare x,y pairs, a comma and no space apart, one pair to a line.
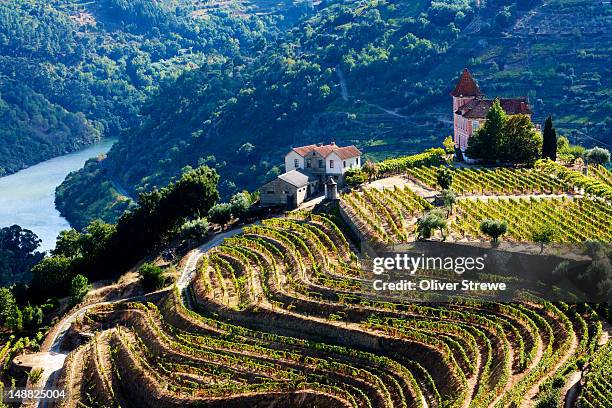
195,229
597,155
543,235
240,204
220,214
435,219
494,228
354,177
79,286
152,276
445,178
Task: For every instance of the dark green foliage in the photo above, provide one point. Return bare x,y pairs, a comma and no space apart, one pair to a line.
509,139
521,144
597,278
486,143
17,254
32,317
52,275
494,228
79,286
90,186
70,73
33,129
445,178
549,144
152,276
106,250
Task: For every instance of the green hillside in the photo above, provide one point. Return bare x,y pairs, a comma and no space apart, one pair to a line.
101,60
373,73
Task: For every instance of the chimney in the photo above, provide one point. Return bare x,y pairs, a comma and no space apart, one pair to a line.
331,189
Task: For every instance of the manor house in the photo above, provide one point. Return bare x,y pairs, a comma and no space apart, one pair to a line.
470,108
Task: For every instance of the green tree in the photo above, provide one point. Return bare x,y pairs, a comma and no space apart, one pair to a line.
32,317
486,143
52,275
14,319
449,198
79,286
597,155
543,235
433,220
494,228
549,144
220,214
152,276
7,302
17,254
69,243
522,144
445,178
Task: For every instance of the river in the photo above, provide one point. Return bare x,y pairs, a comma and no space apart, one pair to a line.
27,197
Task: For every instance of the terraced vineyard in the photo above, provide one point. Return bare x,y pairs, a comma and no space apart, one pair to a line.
494,181
522,197
276,316
386,216
574,220
598,384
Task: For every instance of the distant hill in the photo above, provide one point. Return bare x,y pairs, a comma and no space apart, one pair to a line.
73,72
373,73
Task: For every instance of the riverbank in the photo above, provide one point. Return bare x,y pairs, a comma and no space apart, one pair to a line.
27,197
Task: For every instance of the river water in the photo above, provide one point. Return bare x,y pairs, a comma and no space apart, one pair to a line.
27,197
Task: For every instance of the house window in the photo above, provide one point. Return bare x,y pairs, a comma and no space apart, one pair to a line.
357,161
321,164
344,163
296,163
475,125
331,164
270,191
308,163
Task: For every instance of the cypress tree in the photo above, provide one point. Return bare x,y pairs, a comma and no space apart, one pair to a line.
549,145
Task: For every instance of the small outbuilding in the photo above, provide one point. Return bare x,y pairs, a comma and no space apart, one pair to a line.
290,189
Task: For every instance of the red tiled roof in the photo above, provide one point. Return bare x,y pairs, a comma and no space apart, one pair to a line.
478,108
325,150
304,150
466,85
347,152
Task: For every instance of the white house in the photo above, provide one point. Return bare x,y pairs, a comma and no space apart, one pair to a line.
323,160
307,169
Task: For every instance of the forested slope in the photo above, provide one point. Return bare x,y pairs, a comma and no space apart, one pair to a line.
72,72
373,73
